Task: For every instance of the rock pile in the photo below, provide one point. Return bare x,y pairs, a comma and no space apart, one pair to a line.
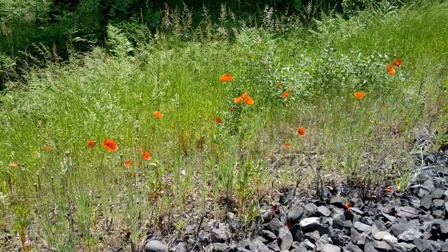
413,220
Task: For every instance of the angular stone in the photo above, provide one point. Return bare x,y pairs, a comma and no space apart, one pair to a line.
338,237
295,212
357,238
218,247
274,225
403,247
155,246
218,235
323,211
309,224
382,246
409,235
423,245
437,193
309,245
338,220
407,212
323,228
309,209
426,201
285,238
361,227
268,235
330,248
398,228
337,202
257,245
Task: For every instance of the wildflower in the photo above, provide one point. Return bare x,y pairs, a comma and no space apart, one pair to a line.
348,205
247,99
285,94
238,99
287,145
383,107
110,145
157,114
390,69
146,155
128,163
279,84
359,95
14,165
226,77
48,148
397,62
301,131
90,143
388,189
218,120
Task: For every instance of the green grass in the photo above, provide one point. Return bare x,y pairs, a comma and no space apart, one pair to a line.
72,195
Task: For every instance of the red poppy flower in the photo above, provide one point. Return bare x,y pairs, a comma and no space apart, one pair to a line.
285,94
128,163
301,131
146,155
388,189
238,99
390,69
91,143
247,99
383,107
110,145
287,145
397,62
226,77
48,148
359,95
218,120
348,205
157,114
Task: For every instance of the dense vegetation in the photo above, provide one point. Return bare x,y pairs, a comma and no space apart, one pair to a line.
185,116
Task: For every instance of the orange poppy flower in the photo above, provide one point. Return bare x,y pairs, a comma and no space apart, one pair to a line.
397,62
146,155
285,94
390,69
218,120
301,131
238,99
287,145
359,95
110,145
348,205
48,148
14,165
247,99
128,163
90,143
226,77
383,107
157,114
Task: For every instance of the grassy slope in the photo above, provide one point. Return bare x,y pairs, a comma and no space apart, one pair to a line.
194,160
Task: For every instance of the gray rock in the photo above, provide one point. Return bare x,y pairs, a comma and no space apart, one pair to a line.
338,237
437,193
409,235
323,211
273,246
285,238
361,227
268,235
350,247
337,202
274,225
330,248
403,247
155,246
357,238
309,209
180,247
423,245
218,247
309,245
398,228
407,212
338,220
309,224
218,235
382,246
295,213
257,245
426,201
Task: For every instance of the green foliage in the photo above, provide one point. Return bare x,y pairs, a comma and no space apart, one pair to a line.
73,194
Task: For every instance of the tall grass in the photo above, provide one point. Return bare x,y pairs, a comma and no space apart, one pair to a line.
78,198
